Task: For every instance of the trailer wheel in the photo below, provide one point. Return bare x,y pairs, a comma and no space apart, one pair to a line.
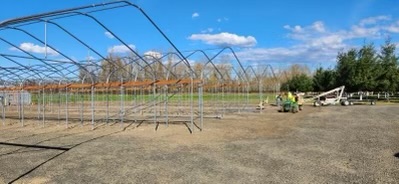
316,104
345,103
372,103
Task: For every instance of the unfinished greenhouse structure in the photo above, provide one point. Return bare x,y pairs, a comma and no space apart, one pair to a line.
42,79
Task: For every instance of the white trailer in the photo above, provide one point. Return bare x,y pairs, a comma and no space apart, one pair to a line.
335,96
331,97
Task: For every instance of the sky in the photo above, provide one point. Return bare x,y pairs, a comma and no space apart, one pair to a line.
260,31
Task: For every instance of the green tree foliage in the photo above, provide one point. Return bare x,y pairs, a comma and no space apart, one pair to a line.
324,80
388,76
345,69
300,82
364,70
357,69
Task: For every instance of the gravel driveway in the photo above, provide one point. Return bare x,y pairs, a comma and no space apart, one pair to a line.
354,144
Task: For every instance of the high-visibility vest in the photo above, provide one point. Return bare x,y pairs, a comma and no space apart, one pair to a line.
291,97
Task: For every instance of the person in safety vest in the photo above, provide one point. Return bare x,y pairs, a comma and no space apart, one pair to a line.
291,97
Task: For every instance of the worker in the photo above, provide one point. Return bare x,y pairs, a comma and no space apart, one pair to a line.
299,100
290,97
279,99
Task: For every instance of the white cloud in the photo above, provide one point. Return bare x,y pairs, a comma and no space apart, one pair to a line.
329,41
319,26
194,15
311,44
90,58
294,54
316,43
222,19
393,28
374,20
366,32
154,54
317,34
121,49
207,30
30,47
225,39
295,29
109,35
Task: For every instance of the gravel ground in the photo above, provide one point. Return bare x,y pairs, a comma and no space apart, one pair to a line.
355,144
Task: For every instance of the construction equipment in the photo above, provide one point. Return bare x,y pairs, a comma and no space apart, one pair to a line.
331,97
290,104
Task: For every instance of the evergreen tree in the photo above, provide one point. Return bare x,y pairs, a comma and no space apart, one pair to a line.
300,82
365,78
388,77
345,69
324,80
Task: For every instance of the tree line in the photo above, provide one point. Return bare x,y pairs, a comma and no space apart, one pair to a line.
362,69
